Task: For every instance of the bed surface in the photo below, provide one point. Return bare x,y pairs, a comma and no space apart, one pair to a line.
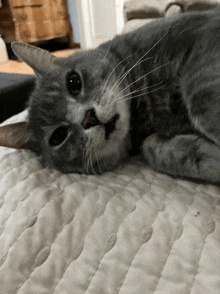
128,231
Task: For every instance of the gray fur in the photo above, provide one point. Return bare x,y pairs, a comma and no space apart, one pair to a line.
162,80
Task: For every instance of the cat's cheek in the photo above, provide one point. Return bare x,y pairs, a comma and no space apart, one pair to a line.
96,138
123,123
121,130
112,148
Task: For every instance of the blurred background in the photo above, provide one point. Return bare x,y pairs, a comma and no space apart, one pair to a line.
58,24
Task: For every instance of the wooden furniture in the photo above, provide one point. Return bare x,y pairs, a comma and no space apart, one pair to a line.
35,20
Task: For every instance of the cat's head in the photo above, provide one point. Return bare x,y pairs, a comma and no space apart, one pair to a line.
76,113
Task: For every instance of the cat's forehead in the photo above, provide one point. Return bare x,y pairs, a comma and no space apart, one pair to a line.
93,61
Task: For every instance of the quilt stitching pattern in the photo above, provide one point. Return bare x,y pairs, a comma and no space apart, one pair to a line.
137,249
54,238
91,225
172,246
27,227
22,200
128,231
196,271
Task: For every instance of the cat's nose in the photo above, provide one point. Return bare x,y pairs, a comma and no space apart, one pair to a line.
90,119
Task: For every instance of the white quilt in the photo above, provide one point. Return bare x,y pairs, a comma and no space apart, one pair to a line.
132,231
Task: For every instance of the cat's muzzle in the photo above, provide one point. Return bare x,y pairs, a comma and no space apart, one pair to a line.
91,120
110,126
60,134
67,142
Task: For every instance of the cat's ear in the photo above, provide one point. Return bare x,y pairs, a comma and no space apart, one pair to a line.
39,60
16,136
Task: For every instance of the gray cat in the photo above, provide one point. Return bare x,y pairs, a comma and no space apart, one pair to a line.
155,90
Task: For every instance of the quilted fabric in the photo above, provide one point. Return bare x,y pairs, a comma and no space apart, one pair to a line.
131,231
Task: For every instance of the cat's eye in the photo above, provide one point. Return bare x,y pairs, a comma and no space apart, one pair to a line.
74,83
59,136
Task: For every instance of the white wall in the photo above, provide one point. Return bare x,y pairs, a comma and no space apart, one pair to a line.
98,20
72,9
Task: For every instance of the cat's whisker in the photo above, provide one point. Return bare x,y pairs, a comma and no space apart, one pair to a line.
139,89
119,77
104,88
131,93
109,96
97,159
91,164
140,60
144,76
118,81
89,161
106,53
86,165
106,83
122,99
86,161
137,63
83,155
125,74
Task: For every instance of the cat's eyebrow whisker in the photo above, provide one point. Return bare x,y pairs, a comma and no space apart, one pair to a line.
114,86
129,94
137,63
115,69
123,76
152,47
139,89
119,77
117,83
127,72
141,59
106,83
144,76
122,98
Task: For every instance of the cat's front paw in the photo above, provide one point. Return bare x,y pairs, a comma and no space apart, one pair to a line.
183,156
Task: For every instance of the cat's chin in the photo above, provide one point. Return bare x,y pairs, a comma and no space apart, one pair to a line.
104,154
108,158
94,165
97,156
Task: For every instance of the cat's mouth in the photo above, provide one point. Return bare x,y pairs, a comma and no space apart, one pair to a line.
110,126
91,120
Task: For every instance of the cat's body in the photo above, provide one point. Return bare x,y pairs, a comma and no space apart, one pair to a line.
155,90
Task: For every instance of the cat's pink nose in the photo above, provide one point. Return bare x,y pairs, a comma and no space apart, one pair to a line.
90,119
